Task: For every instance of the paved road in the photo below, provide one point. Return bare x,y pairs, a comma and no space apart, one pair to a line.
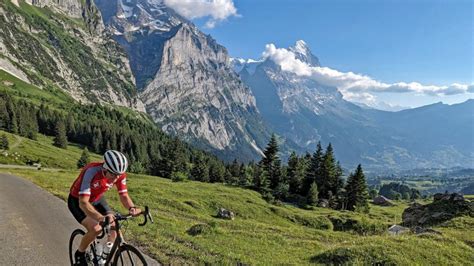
34,225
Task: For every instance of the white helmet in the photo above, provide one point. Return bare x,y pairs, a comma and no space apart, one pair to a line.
115,162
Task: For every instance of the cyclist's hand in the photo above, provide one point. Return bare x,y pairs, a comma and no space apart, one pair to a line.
111,218
102,220
134,211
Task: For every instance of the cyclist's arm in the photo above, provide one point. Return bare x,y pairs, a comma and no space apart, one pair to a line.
85,192
88,209
128,203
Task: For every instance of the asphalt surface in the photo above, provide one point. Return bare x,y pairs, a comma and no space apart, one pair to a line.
35,226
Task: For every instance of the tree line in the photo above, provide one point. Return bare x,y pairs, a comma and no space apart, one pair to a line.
306,180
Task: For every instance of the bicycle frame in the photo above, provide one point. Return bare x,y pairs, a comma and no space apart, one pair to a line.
119,240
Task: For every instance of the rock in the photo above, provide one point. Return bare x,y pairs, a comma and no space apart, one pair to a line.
323,203
383,201
225,214
421,230
441,196
443,208
398,229
456,197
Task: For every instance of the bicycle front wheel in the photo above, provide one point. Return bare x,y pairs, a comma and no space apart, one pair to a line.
128,255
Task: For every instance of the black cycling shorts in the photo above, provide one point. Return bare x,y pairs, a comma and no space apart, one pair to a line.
73,204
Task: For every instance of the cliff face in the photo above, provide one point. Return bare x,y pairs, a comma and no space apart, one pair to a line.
63,44
195,93
185,79
72,8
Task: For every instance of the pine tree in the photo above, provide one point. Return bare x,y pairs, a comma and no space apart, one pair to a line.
84,158
313,173
271,163
328,174
4,144
60,139
356,191
97,140
200,170
216,171
295,173
312,197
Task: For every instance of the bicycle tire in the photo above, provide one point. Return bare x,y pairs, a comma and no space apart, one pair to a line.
74,234
125,251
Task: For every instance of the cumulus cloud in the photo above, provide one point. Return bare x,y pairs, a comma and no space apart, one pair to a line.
354,86
217,10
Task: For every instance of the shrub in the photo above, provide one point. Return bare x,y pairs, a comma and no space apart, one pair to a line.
199,229
361,226
178,176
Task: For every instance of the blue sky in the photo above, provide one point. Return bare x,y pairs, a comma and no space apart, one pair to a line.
428,42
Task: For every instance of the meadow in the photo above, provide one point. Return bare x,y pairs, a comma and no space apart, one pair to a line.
187,230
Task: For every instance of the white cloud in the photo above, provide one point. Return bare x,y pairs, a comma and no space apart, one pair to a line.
217,10
353,86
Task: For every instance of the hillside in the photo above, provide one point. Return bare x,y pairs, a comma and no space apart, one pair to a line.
268,234
261,233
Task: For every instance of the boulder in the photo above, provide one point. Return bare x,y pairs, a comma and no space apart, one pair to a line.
381,200
443,208
398,229
225,214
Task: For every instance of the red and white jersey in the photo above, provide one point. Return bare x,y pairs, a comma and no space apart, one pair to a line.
92,182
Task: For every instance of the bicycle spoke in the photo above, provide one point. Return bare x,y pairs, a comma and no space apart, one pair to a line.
131,258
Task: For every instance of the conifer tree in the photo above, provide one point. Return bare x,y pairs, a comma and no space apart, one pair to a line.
296,173
200,170
60,139
313,173
271,163
356,191
4,144
312,197
84,158
216,172
97,140
328,174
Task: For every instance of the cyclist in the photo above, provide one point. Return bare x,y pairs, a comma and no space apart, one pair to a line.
87,203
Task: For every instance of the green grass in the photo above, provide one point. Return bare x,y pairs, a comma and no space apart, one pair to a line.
264,233
20,89
23,150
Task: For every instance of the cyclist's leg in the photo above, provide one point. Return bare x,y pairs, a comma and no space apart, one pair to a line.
103,207
92,226
93,230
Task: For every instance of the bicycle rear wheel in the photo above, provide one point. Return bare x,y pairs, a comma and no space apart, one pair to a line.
74,242
129,255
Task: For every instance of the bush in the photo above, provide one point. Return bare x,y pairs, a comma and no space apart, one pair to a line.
199,229
4,142
178,176
361,227
359,255
316,222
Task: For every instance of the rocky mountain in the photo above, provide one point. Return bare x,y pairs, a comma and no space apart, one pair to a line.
63,44
304,111
185,79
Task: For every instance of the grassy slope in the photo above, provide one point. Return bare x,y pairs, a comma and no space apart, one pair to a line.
264,233
50,156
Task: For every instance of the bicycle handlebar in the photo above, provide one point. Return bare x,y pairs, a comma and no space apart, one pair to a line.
119,217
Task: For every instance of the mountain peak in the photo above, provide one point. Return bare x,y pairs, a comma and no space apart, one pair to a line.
303,53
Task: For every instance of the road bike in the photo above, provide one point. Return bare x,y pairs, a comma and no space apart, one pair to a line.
121,253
